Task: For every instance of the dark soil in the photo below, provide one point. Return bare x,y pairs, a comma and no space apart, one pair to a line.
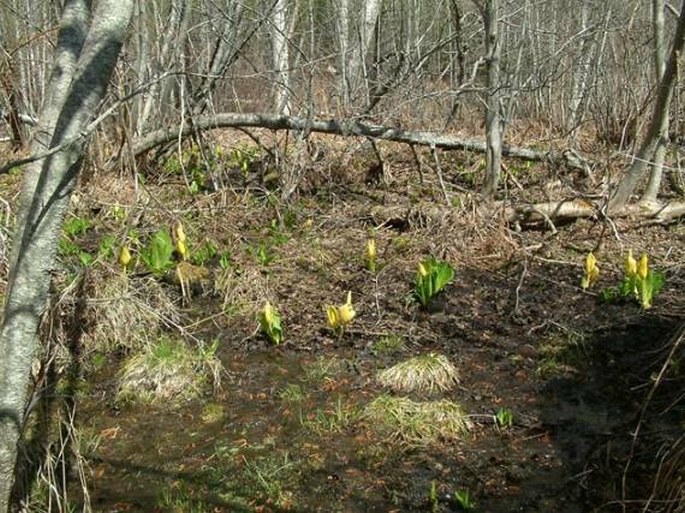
597,425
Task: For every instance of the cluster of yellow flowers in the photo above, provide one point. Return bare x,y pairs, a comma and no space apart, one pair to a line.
639,281
634,268
340,316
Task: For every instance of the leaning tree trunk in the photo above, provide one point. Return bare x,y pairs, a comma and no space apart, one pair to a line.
637,169
654,183
87,49
493,119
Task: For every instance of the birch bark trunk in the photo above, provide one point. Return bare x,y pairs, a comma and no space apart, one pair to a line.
281,58
87,49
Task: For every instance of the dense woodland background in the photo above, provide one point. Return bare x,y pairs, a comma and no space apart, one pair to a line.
582,72
591,89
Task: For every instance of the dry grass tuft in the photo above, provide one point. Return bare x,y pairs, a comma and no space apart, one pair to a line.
670,478
127,313
168,370
416,423
426,373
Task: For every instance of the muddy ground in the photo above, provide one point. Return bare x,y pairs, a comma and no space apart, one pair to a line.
597,425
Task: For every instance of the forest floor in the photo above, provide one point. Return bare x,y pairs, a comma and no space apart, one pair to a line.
594,386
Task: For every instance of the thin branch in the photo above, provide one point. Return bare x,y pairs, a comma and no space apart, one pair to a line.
90,128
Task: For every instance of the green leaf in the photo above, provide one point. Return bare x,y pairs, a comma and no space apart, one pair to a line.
225,261
438,275
76,226
273,329
158,255
106,247
85,258
203,254
441,275
609,294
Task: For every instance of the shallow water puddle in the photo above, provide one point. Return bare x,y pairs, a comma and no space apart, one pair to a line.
286,433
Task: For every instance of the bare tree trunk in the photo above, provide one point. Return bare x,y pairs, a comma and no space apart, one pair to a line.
627,185
170,54
654,183
87,50
584,75
343,25
281,60
357,68
224,52
493,119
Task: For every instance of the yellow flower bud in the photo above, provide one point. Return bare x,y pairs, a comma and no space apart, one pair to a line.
332,313
182,249
591,271
346,312
590,263
422,270
371,249
643,267
268,313
124,256
631,265
180,233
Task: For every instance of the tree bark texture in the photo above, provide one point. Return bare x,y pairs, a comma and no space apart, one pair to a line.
280,57
493,118
87,49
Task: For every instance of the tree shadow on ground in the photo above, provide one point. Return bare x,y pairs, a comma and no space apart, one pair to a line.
578,374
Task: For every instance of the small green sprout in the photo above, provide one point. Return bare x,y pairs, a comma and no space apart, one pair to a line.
431,278
461,497
504,419
433,497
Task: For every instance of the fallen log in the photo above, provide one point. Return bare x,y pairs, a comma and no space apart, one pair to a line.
343,128
351,128
525,215
652,213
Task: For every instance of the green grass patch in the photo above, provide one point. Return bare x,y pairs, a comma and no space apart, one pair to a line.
389,344
324,367
292,393
561,354
330,420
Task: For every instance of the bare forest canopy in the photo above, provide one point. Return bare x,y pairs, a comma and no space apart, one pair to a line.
570,83
589,89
